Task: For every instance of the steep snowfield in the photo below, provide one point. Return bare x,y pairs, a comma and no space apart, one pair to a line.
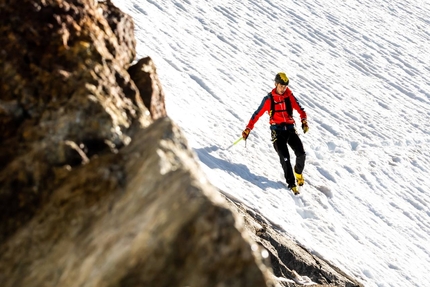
361,69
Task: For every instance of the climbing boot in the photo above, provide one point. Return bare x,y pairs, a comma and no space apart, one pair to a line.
300,179
295,190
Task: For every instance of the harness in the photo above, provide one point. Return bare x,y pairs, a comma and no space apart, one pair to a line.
288,107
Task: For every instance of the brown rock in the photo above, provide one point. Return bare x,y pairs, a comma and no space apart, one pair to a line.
143,217
144,74
63,80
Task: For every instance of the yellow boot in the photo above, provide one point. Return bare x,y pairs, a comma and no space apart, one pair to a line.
300,179
295,190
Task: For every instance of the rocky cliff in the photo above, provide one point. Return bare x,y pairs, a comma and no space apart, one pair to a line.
98,187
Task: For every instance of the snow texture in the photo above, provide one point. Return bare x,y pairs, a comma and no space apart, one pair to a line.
361,70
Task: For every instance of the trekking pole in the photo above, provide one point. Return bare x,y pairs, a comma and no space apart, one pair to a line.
236,142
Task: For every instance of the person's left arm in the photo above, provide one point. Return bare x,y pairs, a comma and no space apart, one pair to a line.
303,116
296,105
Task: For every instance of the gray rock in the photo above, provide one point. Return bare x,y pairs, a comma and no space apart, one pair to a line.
292,264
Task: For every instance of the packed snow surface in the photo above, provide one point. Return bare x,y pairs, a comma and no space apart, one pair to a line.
361,70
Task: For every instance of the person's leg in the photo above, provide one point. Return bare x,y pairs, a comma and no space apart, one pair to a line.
279,140
297,146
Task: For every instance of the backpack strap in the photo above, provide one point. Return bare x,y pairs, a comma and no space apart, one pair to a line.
288,106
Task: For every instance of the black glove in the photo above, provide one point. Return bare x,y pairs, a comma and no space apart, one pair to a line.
305,126
245,133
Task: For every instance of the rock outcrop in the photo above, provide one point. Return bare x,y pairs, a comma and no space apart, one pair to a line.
66,95
98,187
292,264
142,217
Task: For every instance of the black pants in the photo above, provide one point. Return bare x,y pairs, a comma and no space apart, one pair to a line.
280,139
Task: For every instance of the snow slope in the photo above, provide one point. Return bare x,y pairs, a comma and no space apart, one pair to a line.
361,71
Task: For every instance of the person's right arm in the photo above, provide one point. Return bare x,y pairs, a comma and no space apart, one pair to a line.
264,107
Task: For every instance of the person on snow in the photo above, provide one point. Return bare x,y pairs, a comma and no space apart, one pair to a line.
279,104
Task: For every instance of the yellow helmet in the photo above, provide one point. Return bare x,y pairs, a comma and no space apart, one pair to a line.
282,78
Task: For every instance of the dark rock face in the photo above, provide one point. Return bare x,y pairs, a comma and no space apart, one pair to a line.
97,186
66,95
144,74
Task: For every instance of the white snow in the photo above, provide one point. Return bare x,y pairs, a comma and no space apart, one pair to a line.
361,70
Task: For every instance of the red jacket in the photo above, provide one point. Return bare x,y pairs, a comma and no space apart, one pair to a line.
282,112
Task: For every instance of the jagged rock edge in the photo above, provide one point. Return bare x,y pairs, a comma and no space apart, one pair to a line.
254,218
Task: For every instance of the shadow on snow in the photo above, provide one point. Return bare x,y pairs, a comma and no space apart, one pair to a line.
240,170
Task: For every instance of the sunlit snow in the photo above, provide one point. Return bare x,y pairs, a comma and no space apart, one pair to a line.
361,70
